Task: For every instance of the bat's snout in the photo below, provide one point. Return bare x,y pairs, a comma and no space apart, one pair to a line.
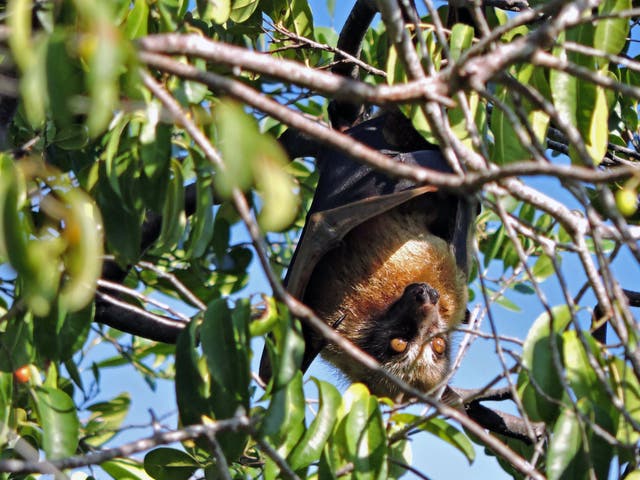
423,293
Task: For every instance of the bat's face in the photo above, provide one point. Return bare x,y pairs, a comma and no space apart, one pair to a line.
410,340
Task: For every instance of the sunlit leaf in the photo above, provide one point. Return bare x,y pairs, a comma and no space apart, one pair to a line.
169,464
225,344
59,420
173,216
565,456
447,432
241,10
120,468
611,33
542,357
310,446
105,420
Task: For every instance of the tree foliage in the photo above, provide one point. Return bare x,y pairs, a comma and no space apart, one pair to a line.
136,137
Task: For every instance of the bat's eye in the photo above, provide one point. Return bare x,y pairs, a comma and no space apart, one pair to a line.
438,345
398,345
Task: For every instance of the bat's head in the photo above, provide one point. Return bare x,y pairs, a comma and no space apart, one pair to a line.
410,340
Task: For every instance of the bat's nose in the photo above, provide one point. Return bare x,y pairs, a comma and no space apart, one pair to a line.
423,293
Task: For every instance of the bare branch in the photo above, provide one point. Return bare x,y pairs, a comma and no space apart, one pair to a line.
235,424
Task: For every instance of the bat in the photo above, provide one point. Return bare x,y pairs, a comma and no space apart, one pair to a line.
384,261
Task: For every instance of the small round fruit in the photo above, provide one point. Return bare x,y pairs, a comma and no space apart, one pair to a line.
22,374
627,201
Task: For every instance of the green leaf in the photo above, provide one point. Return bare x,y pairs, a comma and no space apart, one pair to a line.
106,60
237,135
16,343
75,330
276,187
137,20
220,10
611,34
19,23
84,249
290,351
565,458
202,223
155,153
366,439
504,302
122,224
461,39
283,423
125,468
447,432
543,268
311,444
59,420
563,88
580,374
170,464
64,79
173,216
71,137
494,244
542,341
190,386
6,404
225,343
243,9
626,383
105,420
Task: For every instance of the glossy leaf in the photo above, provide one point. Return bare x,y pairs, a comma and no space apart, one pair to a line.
202,222
169,464
310,446
105,63
365,434
59,421
105,420
173,216
125,468
460,40
191,388
137,20
565,457
276,187
64,80
580,373
538,357
84,250
628,388
543,268
611,34
225,344
6,404
237,136
447,432
283,422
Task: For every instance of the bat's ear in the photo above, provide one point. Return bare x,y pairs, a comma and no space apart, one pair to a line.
462,238
265,371
298,144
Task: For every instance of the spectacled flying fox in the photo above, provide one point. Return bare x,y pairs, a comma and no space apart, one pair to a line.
382,260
